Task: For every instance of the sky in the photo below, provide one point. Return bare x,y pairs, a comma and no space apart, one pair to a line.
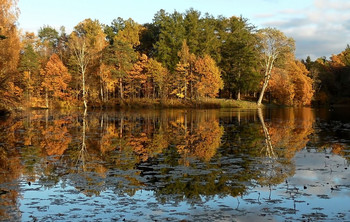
319,27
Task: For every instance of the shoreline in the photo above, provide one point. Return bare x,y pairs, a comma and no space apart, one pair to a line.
210,103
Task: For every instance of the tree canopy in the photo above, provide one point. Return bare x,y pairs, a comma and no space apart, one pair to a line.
183,56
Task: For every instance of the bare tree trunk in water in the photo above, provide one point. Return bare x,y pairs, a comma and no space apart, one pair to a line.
121,126
46,98
121,88
239,117
101,92
269,148
83,151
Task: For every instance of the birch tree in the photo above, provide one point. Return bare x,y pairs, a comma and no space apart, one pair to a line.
82,58
273,45
86,43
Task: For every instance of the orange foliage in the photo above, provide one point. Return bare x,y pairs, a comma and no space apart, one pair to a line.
202,141
107,79
291,85
56,77
184,72
138,143
158,74
56,138
9,54
209,77
295,132
137,78
336,61
11,167
106,144
280,87
302,83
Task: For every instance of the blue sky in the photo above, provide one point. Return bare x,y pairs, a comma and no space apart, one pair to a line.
320,27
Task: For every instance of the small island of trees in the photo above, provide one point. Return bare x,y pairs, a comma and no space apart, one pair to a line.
181,58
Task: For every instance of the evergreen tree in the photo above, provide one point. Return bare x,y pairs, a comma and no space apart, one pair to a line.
172,33
148,37
29,65
120,56
239,56
49,39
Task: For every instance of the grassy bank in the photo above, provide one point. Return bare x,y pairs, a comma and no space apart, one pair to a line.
180,103
211,103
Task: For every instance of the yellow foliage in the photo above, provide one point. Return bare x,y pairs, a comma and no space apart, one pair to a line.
56,77
209,77
280,87
291,85
131,32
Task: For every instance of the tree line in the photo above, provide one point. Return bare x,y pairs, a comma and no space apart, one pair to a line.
187,56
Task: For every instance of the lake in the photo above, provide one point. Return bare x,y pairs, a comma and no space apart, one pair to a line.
288,164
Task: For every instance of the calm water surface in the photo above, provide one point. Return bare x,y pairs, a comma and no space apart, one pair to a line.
172,165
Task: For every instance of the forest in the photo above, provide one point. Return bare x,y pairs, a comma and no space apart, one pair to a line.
179,57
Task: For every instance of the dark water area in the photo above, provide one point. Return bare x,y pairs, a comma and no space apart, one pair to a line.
172,165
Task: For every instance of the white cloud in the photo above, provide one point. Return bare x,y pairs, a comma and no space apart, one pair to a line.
332,4
321,29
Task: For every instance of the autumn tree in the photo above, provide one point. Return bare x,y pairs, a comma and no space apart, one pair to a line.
130,33
290,83
55,79
209,77
303,91
82,58
159,76
107,82
86,42
184,74
281,87
10,93
273,45
139,83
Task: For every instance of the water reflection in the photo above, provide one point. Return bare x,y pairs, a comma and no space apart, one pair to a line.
180,156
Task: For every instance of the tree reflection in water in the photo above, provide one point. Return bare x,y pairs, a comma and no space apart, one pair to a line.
10,168
269,152
83,154
181,155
